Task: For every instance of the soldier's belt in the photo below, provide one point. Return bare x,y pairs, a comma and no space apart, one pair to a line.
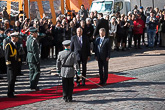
71,66
30,51
12,55
8,63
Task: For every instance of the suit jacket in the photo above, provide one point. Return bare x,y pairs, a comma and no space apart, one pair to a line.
102,52
32,51
101,23
71,32
67,70
82,52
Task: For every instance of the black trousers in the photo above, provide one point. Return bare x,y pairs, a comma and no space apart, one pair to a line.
11,77
84,69
58,48
103,70
143,36
67,85
137,38
130,34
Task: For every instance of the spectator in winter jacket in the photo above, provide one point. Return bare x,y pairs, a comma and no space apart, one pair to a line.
138,30
151,28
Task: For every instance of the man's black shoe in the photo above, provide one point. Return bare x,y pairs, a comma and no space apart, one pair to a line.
36,89
70,100
11,96
104,84
100,83
83,84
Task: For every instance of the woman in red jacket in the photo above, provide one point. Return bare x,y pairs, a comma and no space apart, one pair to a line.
138,30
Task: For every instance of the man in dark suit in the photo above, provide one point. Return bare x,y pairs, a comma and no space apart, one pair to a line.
102,55
80,45
101,23
12,62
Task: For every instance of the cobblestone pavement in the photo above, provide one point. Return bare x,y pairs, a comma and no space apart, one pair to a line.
147,92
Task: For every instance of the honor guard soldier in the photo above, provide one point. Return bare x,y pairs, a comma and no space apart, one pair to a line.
33,58
65,64
12,60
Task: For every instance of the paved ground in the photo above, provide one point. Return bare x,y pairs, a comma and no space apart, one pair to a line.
147,92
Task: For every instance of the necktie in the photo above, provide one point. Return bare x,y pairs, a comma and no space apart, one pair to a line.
101,40
80,41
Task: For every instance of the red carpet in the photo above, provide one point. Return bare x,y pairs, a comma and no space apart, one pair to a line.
51,93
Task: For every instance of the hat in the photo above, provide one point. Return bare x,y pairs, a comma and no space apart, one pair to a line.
32,29
15,34
141,7
66,42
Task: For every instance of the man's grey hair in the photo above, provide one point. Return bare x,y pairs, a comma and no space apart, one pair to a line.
79,28
88,19
102,29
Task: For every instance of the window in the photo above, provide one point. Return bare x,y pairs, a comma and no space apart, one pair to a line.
118,6
100,7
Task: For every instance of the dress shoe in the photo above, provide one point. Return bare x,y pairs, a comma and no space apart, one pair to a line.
70,100
104,84
36,89
83,84
11,96
100,83
65,99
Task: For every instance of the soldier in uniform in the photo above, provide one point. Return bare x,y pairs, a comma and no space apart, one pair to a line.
8,37
65,63
33,58
12,60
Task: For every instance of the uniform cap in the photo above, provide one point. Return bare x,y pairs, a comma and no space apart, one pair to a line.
66,42
15,34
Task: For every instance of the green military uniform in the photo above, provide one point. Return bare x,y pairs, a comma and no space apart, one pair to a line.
33,60
12,61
